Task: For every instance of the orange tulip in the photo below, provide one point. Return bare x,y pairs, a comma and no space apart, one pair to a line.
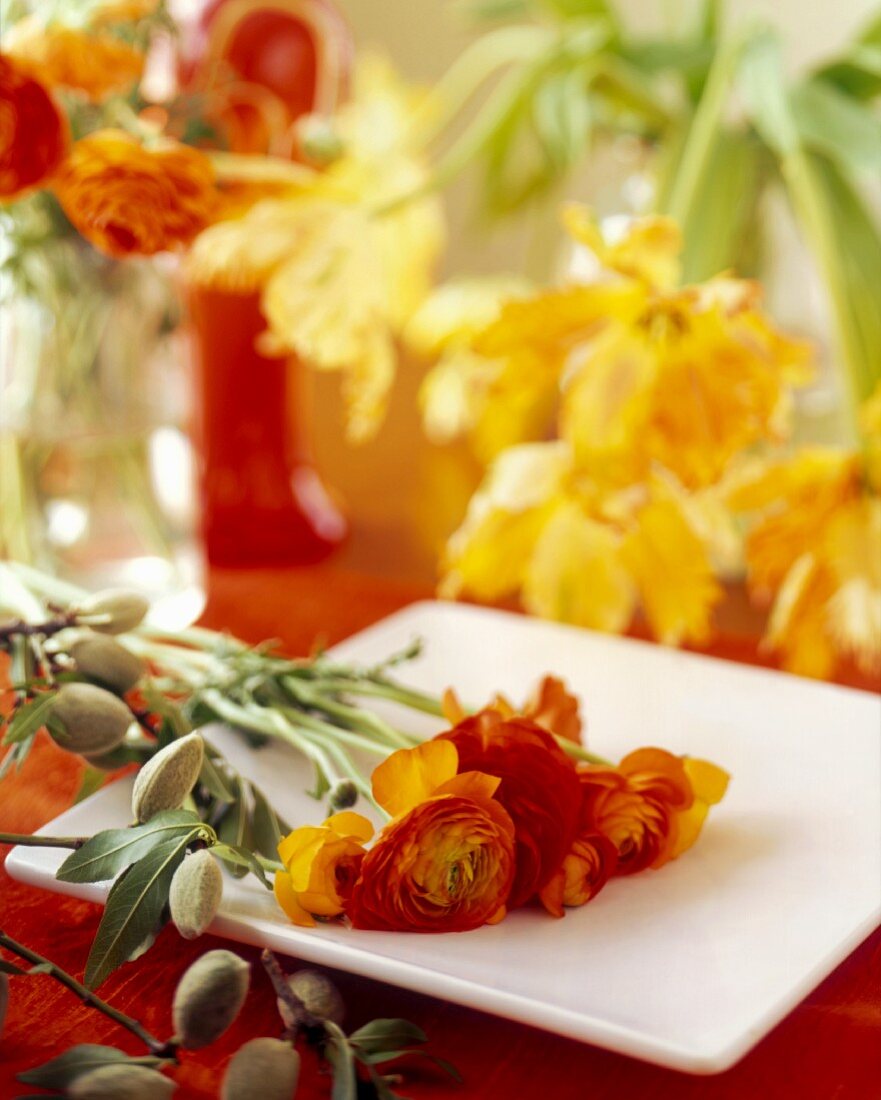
127,199
322,866
33,132
539,789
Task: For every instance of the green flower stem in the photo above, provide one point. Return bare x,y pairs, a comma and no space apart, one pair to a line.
370,724
703,132
154,1045
383,689
580,753
346,737
28,840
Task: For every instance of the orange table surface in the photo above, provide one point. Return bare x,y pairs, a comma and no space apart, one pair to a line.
829,1047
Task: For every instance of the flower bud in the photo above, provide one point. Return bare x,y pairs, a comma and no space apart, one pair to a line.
93,719
318,141
168,777
262,1069
318,993
343,795
195,893
107,661
208,998
121,1082
114,611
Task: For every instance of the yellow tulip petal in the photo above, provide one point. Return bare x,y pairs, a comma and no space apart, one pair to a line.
577,575
410,776
671,567
286,897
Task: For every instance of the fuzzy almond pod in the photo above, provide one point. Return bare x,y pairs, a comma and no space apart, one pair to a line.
318,993
262,1069
94,720
195,893
113,611
208,998
121,1082
168,777
104,659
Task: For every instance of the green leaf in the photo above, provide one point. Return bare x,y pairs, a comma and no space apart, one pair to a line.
235,827
339,1054
109,852
764,91
268,829
839,126
92,780
164,708
30,717
61,1071
134,909
212,778
386,1035
16,754
242,859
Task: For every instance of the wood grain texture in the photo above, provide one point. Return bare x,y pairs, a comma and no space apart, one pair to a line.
829,1048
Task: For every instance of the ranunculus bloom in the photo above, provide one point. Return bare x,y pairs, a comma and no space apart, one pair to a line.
96,63
127,199
651,806
322,865
584,872
539,789
446,861
33,132
551,706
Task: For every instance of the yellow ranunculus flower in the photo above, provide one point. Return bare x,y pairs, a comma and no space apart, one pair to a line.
322,863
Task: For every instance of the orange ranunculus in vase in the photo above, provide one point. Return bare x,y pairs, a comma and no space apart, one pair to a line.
539,789
322,864
34,134
445,863
128,199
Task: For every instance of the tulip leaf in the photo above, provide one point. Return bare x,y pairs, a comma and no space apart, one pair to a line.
135,907
105,854
833,123
60,1072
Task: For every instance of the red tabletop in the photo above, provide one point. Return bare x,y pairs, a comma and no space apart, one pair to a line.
829,1047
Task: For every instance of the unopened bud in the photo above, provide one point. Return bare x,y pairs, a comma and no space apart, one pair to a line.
108,661
208,998
343,795
93,719
195,893
168,777
318,993
114,611
262,1069
318,141
121,1082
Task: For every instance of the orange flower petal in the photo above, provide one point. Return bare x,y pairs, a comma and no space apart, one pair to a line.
410,776
476,785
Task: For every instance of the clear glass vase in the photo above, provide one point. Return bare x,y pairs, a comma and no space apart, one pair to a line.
96,473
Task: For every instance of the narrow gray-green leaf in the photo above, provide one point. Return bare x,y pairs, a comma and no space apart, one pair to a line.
339,1054
267,828
29,717
134,909
109,852
61,1071
242,860
386,1035
211,777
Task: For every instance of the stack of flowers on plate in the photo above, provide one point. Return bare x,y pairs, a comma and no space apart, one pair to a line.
493,814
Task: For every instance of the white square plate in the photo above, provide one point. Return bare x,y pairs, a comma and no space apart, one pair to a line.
687,967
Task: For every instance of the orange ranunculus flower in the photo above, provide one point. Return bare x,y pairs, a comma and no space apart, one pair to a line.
33,132
587,868
322,866
127,199
652,806
551,706
445,863
539,789
96,64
